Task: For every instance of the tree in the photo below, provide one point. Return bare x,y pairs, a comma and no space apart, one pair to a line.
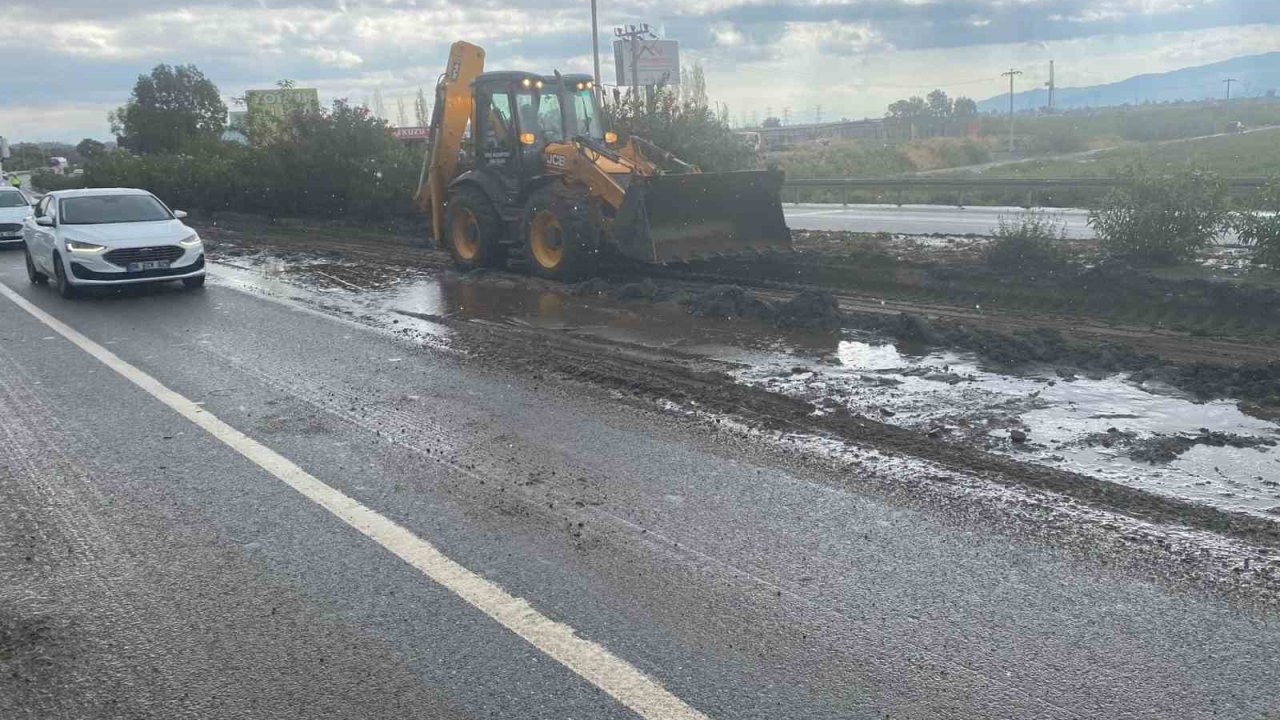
170,109
685,123
940,105
420,109
964,107
90,148
771,122
909,109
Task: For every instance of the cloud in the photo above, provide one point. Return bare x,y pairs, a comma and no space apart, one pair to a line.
333,58
350,47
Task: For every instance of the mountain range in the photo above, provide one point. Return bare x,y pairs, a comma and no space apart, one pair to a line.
1255,75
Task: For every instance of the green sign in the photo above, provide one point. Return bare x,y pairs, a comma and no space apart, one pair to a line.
281,101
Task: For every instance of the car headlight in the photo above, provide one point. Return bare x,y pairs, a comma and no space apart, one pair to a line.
190,241
83,247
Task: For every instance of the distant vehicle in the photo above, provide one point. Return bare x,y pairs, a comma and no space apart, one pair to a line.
15,208
110,236
1235,127
58,165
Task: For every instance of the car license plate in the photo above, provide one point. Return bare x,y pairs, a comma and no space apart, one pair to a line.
152,265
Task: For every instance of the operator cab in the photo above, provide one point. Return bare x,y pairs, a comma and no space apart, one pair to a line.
518,113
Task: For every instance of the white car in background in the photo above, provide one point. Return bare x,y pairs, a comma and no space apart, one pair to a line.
110,236
15,208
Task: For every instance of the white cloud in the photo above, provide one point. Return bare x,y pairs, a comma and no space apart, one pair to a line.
333,58
852,56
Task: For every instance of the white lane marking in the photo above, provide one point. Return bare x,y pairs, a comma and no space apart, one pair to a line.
615,676
812,213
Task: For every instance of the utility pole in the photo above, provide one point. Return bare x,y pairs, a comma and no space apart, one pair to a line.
595,41
1051,87
634,34
817,115
1228,81
786,115
1012,73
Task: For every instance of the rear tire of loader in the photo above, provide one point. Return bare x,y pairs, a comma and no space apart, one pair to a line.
473,230
561,240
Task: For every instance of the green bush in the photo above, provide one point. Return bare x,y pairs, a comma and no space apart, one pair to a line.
1030,244
1161,216
339,162
47,181
1260,227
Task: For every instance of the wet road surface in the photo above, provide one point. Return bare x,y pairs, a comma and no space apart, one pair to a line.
923,219
148,569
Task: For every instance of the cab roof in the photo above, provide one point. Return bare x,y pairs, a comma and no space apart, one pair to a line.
515,76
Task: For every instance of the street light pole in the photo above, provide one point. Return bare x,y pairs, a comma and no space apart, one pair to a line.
595,41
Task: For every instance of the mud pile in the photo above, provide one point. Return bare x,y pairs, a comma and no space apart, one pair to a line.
1160,448
729,301
810,309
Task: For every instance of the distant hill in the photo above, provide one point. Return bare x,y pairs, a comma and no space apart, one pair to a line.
1257,75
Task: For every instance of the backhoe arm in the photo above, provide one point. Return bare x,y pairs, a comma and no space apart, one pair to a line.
453,108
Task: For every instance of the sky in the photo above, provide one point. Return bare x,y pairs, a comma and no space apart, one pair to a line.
65,64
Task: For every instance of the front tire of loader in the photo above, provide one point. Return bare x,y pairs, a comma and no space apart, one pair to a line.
473,230
561,241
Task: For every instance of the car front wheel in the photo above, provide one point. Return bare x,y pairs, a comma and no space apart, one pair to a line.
35,276
65,288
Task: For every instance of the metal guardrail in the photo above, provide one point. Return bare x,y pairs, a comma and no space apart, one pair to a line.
983,183
1038,191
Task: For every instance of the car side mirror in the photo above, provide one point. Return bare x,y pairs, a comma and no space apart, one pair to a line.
44,221
179,214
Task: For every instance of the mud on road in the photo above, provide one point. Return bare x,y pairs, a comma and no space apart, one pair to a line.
1139,422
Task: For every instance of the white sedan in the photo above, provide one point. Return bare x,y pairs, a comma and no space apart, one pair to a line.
14,209
110,236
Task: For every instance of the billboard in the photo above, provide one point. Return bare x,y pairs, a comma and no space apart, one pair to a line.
657,62
411,133
281,101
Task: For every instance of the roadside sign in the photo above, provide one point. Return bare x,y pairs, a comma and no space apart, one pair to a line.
657,62
4,149
411,133
281,101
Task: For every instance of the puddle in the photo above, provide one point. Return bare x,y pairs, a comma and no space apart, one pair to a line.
1087,425
417,301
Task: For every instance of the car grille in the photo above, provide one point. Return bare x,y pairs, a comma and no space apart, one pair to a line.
124,256
84,273
6,228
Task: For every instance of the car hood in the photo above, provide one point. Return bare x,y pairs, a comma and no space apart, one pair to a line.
128,234
14,214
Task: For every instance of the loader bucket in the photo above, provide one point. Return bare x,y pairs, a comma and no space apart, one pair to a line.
678,218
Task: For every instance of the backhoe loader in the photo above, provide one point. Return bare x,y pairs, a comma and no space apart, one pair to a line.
521,164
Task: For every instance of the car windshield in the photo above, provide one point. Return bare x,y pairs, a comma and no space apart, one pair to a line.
107,209
12,199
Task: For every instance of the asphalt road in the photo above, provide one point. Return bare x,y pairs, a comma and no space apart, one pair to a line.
148,569
923,219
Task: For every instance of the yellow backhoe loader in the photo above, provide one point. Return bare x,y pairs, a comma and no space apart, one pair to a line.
521,163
